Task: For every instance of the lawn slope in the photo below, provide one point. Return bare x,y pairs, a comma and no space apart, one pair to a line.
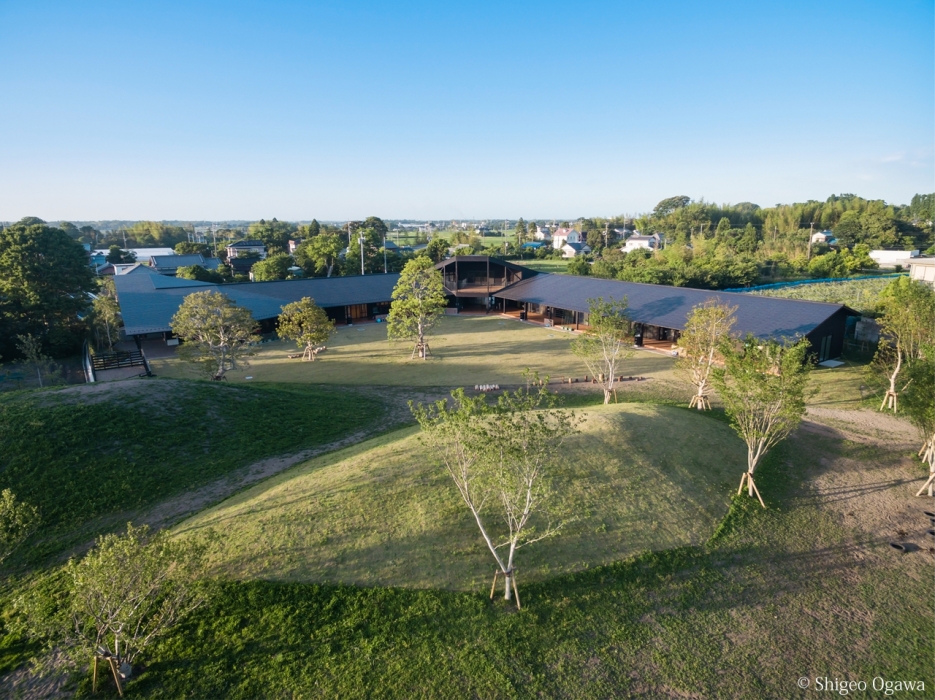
639,477
89,452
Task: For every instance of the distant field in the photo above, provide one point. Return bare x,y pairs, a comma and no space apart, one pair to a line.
468,350
639,477
860,295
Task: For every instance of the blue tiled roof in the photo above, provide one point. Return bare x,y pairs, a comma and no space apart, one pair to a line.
148,302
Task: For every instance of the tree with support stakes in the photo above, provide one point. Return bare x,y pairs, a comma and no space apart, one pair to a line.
418,301
763,385
500,459
217,333
607,343
907,325
118,599
307,324
918,404
707,326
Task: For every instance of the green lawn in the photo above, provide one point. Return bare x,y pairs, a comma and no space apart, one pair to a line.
89,457
639,477
555,266
795,590
467,350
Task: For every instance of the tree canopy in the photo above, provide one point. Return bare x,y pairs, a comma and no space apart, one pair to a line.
418,300
45,278
216,332
307,324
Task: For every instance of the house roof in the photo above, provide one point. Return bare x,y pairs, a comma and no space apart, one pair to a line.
172,262
148,302
247,244
660,305
483,259
577,246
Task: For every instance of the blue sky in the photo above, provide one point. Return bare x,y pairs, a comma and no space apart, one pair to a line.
240,110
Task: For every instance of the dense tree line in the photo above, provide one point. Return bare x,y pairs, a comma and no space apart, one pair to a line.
719,246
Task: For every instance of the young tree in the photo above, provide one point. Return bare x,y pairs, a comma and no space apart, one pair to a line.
18,521
500,459
106,316
707,326
119,598
606,343
918,403
31,348
763,387
217,332
418,300
115,256
307,324
908,324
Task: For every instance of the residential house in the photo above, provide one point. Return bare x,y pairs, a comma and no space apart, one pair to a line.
653,242
293,244
241,248
571,250
565,235
823,237
543,233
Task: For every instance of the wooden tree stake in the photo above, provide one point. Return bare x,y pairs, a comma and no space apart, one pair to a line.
929,484
94,675
493,586
515,590
116,672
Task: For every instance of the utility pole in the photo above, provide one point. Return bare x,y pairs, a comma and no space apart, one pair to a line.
384,253
811,227
360,239
214,235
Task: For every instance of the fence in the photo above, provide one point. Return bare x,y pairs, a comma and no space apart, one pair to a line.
824,280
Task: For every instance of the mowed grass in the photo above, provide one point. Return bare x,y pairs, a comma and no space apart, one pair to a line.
781,593
466,350
90,453
385,513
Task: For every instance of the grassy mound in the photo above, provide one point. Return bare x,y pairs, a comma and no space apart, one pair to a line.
778,598
88,452
639,477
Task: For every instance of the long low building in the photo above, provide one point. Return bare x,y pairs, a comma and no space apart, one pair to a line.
661,312
148,300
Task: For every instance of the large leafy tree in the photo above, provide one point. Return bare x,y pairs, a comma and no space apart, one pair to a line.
307,324
707,326
418,301
275,267
501,459
908,325
275,234
763,387
45,279
216,332
318,256
606,343
437,249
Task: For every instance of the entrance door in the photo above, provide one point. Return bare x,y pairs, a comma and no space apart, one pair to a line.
825,351
357,311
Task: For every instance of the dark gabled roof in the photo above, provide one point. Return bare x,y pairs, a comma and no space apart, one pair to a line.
660,305
148,302
247,244
483,259
577,246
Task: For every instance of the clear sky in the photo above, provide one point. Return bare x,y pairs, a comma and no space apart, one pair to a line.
338,110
